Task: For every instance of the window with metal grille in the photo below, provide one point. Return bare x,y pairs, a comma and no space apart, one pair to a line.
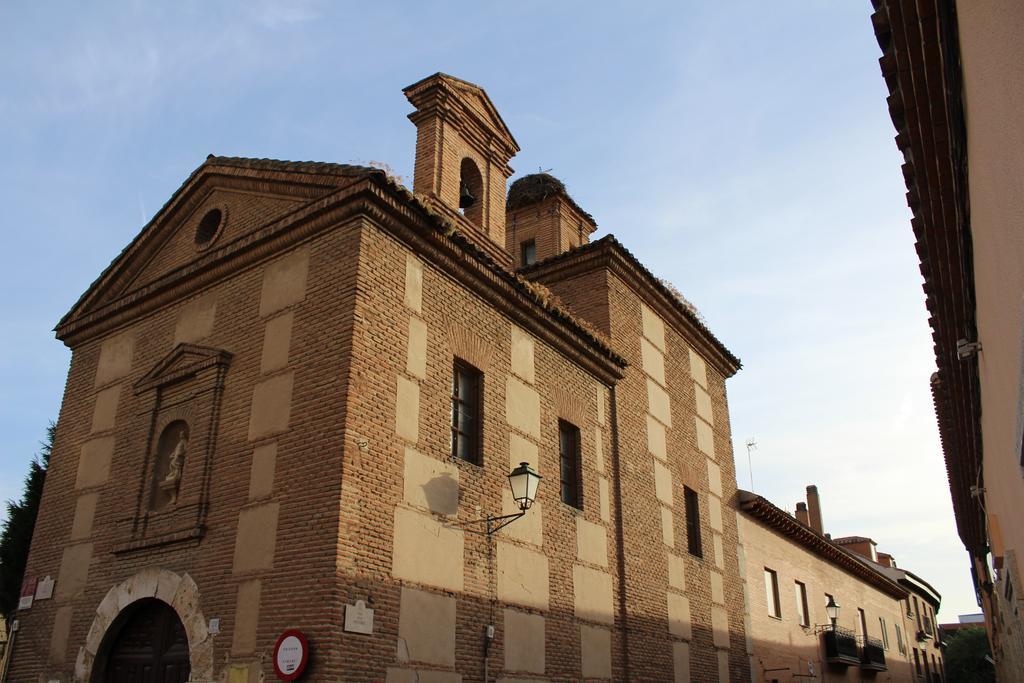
467,411
569,461
693,540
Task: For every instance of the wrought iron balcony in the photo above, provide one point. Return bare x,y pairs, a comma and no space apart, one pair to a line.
873,655
841,647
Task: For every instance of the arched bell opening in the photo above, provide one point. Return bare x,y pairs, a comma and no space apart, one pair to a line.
471,191
146,643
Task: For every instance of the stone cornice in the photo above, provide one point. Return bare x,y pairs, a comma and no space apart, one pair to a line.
609,254
778,520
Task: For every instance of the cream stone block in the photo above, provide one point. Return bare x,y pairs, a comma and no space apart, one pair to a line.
74,571
653,327
719,552
115,358
591,542
427,552
413,283
705,437
59,635
704,408
94,462
658,402
522,450
522,576
431,483
599,448
104,411
416,358
592,592
256,538
656,438
723,666
715,513
261,473
679,616
698,369
530,527
668,533
714,478
522,407
407,409
397,675
652,361
662,483
85,512
681,662
720,626
271,406
676,572
604,498
522,354
595,652
284,282
277,342
195,321
426,628
524,642
602,396
247,616
717,588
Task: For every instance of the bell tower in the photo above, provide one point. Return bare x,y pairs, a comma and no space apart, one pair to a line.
462,152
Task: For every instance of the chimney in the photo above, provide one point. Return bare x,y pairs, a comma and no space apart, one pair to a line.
801,514
814,509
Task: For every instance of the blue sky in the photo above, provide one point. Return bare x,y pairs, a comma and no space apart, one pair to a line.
741,150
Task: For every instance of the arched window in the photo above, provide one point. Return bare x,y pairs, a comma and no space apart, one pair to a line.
471,191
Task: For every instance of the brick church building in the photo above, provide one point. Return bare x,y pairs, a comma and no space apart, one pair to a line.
293,393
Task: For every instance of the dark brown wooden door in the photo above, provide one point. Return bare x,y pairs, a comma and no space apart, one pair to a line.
150,647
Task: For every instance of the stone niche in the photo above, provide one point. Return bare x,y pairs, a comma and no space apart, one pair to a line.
180,398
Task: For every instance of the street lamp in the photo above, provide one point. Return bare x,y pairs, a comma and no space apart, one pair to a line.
832,610
524,482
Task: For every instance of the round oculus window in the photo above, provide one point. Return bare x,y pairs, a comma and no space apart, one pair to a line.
208,227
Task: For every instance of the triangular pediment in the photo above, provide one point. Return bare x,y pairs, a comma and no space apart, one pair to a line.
185,361
246,194
470,94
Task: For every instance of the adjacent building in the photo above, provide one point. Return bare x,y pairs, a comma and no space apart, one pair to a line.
294,396
955,74
799,578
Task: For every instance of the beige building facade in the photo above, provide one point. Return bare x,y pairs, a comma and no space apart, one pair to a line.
955,72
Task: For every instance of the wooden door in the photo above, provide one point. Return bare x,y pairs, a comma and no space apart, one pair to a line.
149,647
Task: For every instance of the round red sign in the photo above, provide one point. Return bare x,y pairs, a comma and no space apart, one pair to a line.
290,655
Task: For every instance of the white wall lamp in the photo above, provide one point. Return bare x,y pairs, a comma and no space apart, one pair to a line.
524,481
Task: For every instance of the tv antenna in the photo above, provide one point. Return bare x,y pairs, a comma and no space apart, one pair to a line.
751,446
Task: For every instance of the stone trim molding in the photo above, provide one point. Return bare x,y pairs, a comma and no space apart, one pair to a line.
178,591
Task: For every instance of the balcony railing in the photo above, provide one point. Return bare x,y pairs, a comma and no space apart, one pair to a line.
841,647
873,655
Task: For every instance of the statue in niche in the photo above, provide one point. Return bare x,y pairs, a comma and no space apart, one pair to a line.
171,450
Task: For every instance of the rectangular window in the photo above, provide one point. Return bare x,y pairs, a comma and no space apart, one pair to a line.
801,605
771,592
569,458
917,662
885,632
467,385
862,624
528,252
693,541
899,640
917,614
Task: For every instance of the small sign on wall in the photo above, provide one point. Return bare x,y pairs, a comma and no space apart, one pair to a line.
44,591
358,618
28,591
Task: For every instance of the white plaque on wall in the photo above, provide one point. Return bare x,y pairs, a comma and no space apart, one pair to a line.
358,618
44,589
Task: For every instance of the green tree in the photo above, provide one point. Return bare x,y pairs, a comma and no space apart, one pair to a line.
965,657
16,534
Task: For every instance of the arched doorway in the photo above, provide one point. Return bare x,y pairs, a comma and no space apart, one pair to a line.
145,644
